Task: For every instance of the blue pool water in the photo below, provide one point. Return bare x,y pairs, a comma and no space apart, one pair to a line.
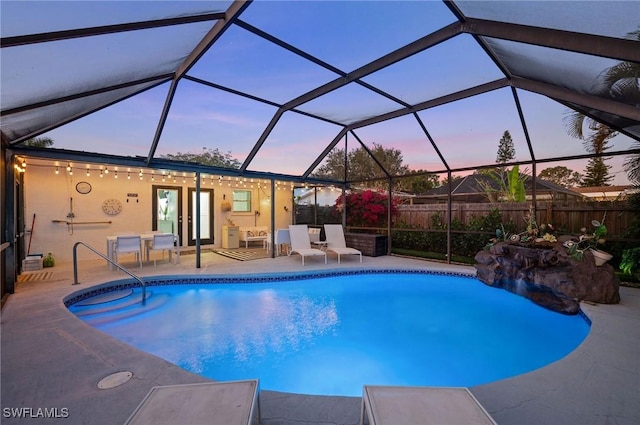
331,335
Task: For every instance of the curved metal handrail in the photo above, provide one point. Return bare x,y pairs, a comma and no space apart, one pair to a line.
75,268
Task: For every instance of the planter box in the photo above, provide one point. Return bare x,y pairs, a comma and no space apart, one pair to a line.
369,245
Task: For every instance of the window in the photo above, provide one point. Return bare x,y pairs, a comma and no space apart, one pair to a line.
241,201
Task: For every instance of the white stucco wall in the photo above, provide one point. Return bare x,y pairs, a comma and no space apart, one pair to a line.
49,196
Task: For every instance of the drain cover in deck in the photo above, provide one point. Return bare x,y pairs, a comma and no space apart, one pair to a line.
114,380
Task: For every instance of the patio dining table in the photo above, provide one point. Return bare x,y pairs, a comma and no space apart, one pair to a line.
146,240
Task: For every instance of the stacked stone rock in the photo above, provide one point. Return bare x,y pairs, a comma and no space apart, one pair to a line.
548,275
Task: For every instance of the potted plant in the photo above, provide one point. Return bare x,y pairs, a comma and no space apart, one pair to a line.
540,236
48,261
590,241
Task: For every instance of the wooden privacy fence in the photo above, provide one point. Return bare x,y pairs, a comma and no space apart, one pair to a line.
565,218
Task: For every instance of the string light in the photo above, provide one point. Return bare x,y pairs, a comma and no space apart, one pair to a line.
20,165
250,183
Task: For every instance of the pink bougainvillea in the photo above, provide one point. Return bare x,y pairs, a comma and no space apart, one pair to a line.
367,208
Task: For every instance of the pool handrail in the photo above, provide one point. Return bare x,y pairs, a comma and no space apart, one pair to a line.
115,263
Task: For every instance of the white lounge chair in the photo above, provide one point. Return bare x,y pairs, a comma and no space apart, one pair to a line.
336,243
215,403
382,405
299,235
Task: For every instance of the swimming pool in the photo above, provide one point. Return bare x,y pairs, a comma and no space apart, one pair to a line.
331,333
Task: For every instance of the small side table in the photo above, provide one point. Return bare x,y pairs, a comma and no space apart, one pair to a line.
321,245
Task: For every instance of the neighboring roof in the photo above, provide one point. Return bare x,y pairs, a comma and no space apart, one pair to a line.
606,192
603,189
473,185
276,66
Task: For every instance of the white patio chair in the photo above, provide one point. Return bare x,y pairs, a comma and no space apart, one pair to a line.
163,242
336,243
299,234
128,244
281,238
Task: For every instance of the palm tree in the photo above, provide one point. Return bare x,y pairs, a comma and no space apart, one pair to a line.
619,82
39,142
632,166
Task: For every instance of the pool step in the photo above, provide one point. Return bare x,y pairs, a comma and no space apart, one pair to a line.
96,313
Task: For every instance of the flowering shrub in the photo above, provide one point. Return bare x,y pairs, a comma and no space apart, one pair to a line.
366,209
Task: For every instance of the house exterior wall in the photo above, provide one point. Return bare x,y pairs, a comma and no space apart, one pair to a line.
52,197
322,196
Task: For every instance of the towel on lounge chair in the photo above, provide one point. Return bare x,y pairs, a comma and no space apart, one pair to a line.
300,243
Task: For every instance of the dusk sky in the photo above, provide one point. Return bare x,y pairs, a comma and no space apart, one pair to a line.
347,36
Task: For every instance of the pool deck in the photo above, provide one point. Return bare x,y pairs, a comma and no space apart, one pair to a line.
50,359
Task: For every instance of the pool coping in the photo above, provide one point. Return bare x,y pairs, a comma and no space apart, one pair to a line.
52,359
249,278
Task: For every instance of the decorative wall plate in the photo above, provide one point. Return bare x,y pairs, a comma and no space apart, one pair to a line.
83,187
112,206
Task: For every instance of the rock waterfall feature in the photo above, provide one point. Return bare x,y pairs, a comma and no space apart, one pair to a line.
548,275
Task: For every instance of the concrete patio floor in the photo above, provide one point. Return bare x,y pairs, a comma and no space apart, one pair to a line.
52,360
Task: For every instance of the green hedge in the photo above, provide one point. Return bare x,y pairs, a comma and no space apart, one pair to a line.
466,239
